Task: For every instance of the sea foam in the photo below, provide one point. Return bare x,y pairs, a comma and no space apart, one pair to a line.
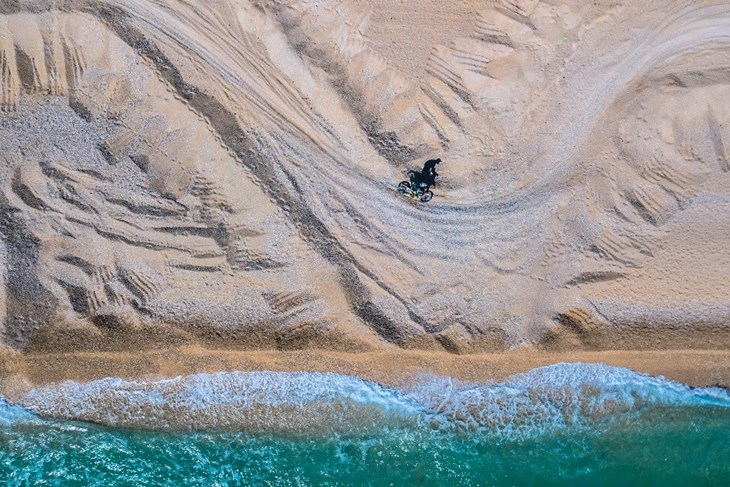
11,414
557,397
553,398
273,402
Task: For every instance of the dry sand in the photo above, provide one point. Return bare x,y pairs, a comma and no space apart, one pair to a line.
221,175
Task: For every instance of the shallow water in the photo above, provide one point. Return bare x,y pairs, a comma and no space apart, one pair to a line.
568,424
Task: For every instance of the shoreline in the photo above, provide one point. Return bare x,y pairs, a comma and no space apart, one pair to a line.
18,372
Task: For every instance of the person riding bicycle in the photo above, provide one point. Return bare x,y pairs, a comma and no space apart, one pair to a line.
427,175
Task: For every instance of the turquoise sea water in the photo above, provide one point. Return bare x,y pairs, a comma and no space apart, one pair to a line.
568,424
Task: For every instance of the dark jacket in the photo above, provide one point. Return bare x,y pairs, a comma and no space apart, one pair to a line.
428,174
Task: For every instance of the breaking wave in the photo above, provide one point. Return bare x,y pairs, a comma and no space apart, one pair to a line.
558,397
10,414
549,399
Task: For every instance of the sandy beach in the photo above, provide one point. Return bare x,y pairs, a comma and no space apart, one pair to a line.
196,186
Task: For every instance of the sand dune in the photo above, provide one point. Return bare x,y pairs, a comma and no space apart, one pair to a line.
223,173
